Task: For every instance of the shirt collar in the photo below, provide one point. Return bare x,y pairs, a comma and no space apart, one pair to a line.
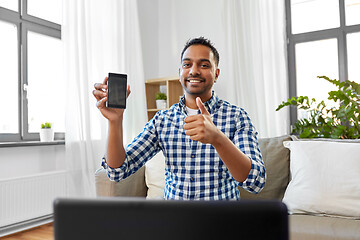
210,104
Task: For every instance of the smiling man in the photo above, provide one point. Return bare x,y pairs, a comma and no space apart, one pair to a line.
210,146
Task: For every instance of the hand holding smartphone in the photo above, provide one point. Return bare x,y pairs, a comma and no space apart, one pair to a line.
117,90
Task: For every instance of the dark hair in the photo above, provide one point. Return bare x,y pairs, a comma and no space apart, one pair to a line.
202,41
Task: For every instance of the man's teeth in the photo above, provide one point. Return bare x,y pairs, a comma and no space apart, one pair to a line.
194,81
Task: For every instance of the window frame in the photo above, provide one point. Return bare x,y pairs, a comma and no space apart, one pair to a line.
338,33
25,23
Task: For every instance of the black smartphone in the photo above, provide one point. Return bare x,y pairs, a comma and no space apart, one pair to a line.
116,92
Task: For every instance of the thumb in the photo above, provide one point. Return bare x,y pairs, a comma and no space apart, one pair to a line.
201,106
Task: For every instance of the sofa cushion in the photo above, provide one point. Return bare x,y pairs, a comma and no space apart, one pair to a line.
322,228
325,178
276,159
134,185
155,176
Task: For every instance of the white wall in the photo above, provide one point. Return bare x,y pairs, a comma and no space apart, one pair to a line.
24,161
165,27
181,20
149,31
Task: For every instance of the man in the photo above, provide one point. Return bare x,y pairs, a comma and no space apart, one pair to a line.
210,146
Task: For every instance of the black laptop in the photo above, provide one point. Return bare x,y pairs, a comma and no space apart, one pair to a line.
138,218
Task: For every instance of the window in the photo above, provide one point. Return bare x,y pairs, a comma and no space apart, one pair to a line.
31,69
9,78
323,39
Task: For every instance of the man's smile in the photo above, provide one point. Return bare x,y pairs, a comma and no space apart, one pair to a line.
194,80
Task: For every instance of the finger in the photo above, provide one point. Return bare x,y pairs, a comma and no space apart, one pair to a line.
102,103
105,80
128,91
196,137
191,125
192,132
99,94
100,86
192,118
201,106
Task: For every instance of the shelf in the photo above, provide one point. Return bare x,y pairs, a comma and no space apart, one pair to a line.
173,92
155,109
161,81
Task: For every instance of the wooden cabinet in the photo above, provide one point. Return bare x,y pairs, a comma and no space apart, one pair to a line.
173,92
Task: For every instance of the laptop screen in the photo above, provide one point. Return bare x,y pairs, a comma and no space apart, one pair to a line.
138,218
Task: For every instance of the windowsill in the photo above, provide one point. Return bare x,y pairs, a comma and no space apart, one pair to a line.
31,143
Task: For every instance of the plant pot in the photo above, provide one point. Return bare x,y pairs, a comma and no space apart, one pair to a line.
46,135
160,104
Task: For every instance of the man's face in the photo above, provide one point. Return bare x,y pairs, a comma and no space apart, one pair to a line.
198,71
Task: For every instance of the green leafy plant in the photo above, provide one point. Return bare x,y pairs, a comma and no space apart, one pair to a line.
341,121
46,125
160,96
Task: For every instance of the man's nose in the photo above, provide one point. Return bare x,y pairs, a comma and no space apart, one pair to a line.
194,70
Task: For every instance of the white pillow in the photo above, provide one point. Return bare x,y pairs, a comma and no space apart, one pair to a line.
155,176
325,178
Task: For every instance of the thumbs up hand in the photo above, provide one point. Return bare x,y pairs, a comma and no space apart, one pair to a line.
200,127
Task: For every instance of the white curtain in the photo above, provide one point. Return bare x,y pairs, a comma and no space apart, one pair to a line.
256,69
99,36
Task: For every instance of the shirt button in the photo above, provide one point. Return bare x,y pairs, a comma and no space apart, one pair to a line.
192,179
192,155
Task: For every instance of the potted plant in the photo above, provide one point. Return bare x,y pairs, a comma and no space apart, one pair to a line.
46,132
160,100
342,121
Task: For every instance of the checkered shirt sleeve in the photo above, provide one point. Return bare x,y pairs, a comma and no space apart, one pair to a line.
245,139
140,150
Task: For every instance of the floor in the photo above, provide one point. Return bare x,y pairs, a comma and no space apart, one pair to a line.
45,232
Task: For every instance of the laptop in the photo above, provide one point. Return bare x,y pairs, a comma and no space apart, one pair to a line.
129,218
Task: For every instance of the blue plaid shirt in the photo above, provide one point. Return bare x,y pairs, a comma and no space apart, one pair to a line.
194,170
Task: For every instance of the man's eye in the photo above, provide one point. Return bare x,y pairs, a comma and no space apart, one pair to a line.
205,65
186,65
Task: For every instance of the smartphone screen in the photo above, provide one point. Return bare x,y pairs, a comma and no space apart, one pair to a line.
117,87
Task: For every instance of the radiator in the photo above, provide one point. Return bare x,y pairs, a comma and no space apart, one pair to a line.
26,198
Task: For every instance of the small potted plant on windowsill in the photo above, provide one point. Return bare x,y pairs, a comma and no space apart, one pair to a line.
46,132
161,100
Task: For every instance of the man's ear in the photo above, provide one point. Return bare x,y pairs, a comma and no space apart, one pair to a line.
217,73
